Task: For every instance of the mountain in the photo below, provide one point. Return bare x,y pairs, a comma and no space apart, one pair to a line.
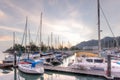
105,42
87,43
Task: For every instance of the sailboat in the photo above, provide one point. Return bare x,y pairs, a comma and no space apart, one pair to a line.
95,63
31,66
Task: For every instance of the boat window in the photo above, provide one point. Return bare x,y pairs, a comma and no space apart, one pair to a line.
98,60
89,60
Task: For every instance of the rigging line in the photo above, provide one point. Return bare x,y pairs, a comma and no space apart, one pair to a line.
30,39
109,26
23,37
37,37
24,34
107,21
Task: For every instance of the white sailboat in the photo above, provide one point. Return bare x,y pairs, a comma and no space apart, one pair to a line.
31,66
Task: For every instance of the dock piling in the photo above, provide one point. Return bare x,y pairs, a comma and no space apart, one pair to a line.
15,72
109,66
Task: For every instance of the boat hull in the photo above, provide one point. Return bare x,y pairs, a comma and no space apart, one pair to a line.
115,67
26,68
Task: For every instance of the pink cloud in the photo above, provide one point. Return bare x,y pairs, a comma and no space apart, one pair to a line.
10,29
2,14
5,38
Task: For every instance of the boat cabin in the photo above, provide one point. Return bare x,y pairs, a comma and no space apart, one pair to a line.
91,60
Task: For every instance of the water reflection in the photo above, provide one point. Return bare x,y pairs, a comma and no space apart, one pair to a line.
58,76
6,70
15,73
55,76
67,76
48,75
23,76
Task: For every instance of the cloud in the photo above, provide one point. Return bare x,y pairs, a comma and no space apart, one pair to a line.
68,29
2,14
13,29
10,29
52,2
6,38
16,8
74,14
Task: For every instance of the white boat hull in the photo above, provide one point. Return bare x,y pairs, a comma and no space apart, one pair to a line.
26,68
82,63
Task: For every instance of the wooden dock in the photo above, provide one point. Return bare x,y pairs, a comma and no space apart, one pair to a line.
85,72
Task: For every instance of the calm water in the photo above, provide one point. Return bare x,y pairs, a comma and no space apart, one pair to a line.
47,75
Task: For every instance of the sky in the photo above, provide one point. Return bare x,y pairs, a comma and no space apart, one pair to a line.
72,21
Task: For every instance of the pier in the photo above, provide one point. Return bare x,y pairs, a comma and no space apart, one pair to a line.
115,76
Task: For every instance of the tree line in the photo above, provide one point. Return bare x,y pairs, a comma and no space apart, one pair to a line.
34,48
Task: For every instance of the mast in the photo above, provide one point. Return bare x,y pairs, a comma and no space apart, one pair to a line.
55,43
15,72
68,45
51,40
58,42
40,33
48,43
29,47
29,36
99,39
62,46
13,40
26,34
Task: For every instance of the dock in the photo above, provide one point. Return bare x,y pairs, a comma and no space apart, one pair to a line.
83,72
